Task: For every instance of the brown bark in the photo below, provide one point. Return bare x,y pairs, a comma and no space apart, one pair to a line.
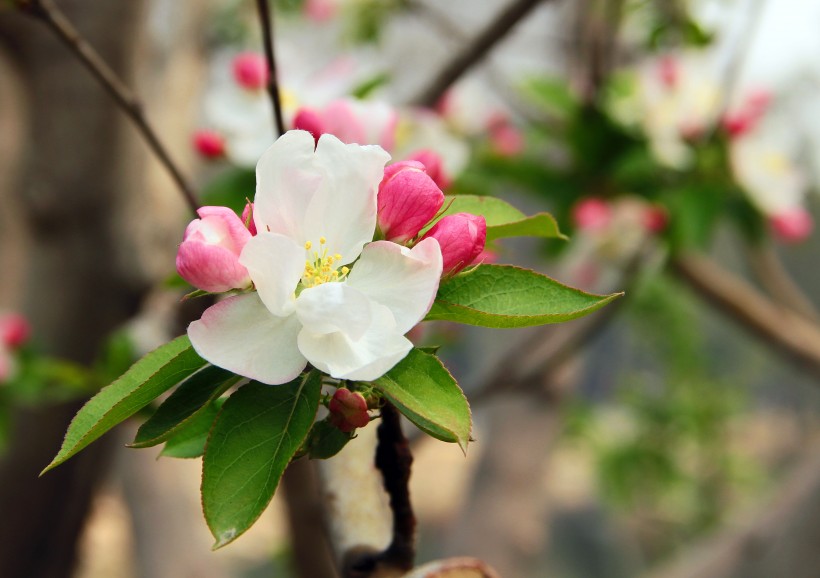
80,165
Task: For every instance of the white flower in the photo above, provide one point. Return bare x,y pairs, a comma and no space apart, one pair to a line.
324,293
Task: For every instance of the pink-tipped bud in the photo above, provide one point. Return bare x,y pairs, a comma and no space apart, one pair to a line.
309,120
209,144
433,165
247,218
461,238
208,257
408,198
319,10
250,70
505,138
348,410
792,226
744,119
655,219
14,330
591,214
668,71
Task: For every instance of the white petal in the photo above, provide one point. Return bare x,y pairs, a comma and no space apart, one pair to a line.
275,264
286,181
343,210
240,334
404,280
379,349
333,307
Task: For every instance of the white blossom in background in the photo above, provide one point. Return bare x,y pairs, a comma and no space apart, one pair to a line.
673,98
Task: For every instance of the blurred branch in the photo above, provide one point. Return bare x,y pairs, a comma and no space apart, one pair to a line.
776,280
786,332
265,20
48,13
471,54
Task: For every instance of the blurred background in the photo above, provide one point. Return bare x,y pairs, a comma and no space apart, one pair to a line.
672,434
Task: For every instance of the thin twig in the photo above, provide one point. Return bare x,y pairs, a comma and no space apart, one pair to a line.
265,21
48,13
474,52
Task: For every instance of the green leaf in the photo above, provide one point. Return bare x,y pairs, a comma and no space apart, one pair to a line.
256,434
553,94
192,396
144,381
423,390
325,440
188,441
503,220
504,296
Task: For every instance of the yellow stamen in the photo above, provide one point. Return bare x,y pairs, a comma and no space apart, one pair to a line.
308,245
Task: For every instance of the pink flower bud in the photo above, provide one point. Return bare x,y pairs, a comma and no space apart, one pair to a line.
208,257
792,226
461,238
408,198
209,144
14,330
433,165
668,71
742,120
348,410
309,120
505,138
250,70
655,219
320,10
591,214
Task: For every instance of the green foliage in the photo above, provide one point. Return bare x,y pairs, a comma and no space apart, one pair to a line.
504,296
188,440
193,396
147,379
503,220
325,441
423,390
253,439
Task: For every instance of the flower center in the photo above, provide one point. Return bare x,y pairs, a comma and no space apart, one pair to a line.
320,269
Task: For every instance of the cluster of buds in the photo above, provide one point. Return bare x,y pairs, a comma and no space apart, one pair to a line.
14,332
409,199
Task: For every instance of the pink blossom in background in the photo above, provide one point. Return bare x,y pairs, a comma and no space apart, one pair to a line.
461,237
320,10
407,200
655,219
505,138
14,330
434,166
744,118
668,71
209,144
351,121
591,214
250,70
792,226
208,257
